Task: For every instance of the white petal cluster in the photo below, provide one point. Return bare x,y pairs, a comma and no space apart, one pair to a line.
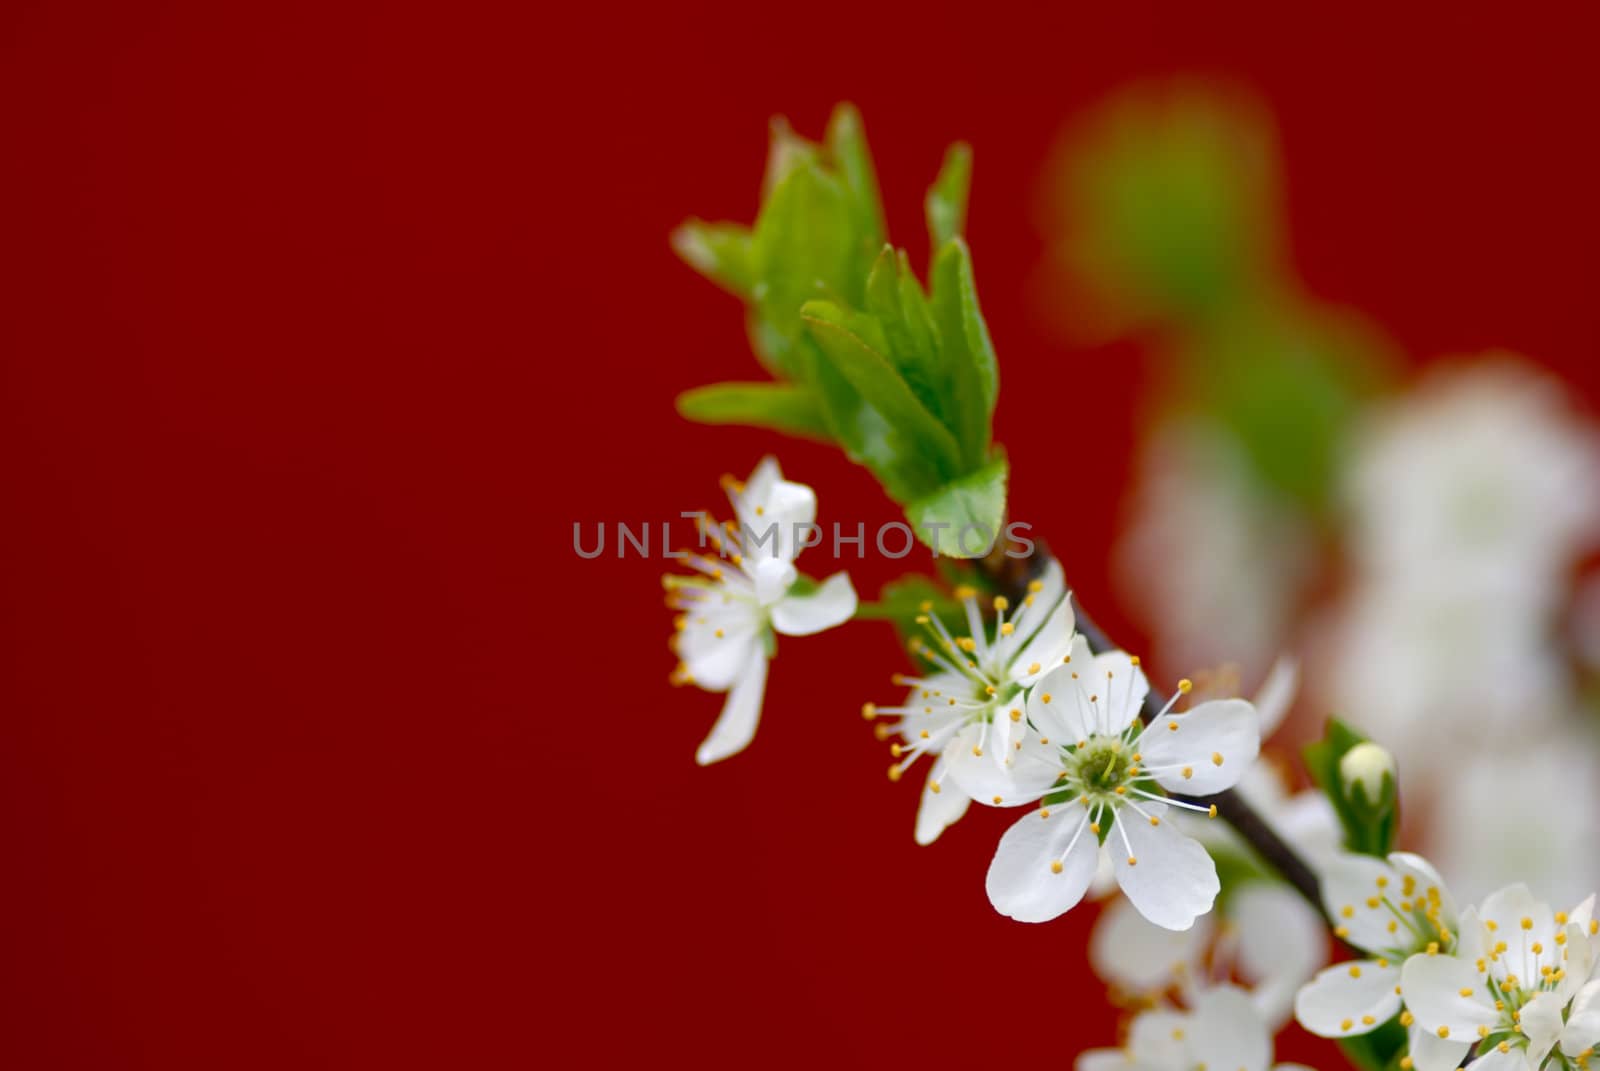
1029,713
1519,985
1221,1029
740,598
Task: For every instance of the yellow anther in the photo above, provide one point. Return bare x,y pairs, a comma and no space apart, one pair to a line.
1034,667
1466,991
1121,790
1016,715
1341,932
1213,812
1561,938
1527,924
1188,772
1046,696
894,772
1132,861
1094,827
1055,867
1444,1031
998,800
1537,947
977,751
1393,926
1504,1047
869,711
1348,911
1036,586
1491,924
1185,686
1002,603
1172,725
1483,1031
1406,1018
1383,882
1007,628
1355,970
1433,948
1216,758
718,634
1044,812
933,786
1561,918
1154,820
1373,902
1367,1020
880,731
1405,1063
894,749
1347,1024
1133,660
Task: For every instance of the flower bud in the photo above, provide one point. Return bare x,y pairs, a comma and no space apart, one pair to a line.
1367,773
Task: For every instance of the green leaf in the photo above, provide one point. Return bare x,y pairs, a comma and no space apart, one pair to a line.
968,354
803,247
946,203
847,151
718,251
1365,833
975,503
786,407
854,346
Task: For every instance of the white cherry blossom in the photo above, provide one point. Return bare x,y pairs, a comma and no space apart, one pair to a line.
1221,1030
1103,779
730,610
966,712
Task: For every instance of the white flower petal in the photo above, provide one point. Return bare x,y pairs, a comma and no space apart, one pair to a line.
1541,1024
1433,987
1209,751
1430,1052
994,773
1341,999
1023,882
1171,879
736,725
1225,1032
1128,950
1276,694
1035,610
1157,1039
1104,1060
1507,908
1495,1060
1280,943
938,811
833,603
1583,1021
773,524
1408,864
1049,646
716,641
1118,688
1057,705
1348,884
773,578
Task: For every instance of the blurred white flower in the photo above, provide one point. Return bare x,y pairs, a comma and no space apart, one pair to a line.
1473,809
968,711
729,612
1221,1030
1266,934
1211,564
1481,475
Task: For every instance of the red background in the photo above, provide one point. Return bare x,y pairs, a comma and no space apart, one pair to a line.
322,324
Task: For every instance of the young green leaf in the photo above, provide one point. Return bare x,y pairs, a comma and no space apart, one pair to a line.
854,346
946,203
1369,817
963,518
967,352
720,252
786,407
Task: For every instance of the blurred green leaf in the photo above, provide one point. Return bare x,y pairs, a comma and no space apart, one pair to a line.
1167,203
785,407
720,252
946,202
975,501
